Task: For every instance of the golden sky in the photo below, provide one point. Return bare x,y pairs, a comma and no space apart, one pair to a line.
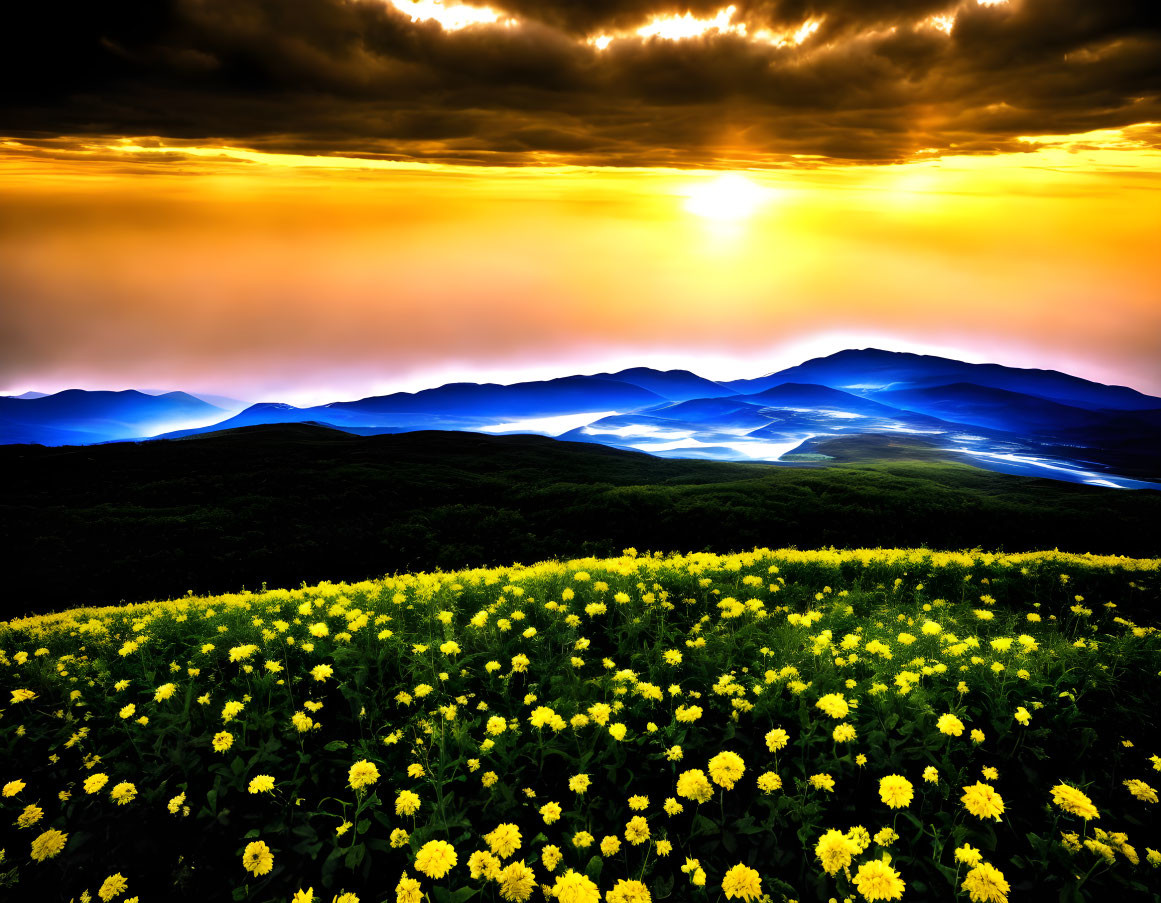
336,198
274,277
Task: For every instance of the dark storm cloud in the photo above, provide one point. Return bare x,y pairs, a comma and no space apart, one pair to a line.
359,77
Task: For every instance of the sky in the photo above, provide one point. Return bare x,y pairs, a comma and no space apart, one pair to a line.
334,198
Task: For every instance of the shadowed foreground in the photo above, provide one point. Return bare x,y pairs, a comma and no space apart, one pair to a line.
285,504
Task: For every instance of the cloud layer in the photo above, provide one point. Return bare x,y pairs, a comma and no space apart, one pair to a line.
788,81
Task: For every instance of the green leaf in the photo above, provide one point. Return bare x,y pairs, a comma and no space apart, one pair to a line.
950,875
362,826
914,821
459,895
703,825
1070,893
355,856
662,887
746,826
336,745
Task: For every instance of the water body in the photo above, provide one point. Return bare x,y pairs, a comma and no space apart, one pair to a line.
1052,468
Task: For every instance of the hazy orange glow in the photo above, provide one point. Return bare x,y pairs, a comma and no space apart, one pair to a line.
314,278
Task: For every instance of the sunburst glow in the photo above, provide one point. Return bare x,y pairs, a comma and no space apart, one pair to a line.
730,197
940,23
688,26
791,38
450,16
674,28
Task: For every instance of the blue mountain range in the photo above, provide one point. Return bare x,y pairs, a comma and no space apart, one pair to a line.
79,417
1038,422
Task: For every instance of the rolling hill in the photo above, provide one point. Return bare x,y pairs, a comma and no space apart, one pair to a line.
285,503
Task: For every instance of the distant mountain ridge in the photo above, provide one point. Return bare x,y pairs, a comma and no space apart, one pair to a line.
675,385
871,370
77,416
1041,422
544,398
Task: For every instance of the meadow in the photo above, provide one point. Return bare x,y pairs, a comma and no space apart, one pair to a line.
783,725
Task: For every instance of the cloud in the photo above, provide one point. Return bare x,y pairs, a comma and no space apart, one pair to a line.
875,81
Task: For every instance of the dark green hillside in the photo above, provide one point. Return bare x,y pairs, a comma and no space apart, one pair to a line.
287,504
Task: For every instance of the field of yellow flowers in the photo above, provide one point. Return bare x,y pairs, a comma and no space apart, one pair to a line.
775,725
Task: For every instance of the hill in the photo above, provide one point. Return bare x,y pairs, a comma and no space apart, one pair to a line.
285,504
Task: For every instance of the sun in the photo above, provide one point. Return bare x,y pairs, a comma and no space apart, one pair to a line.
730,197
